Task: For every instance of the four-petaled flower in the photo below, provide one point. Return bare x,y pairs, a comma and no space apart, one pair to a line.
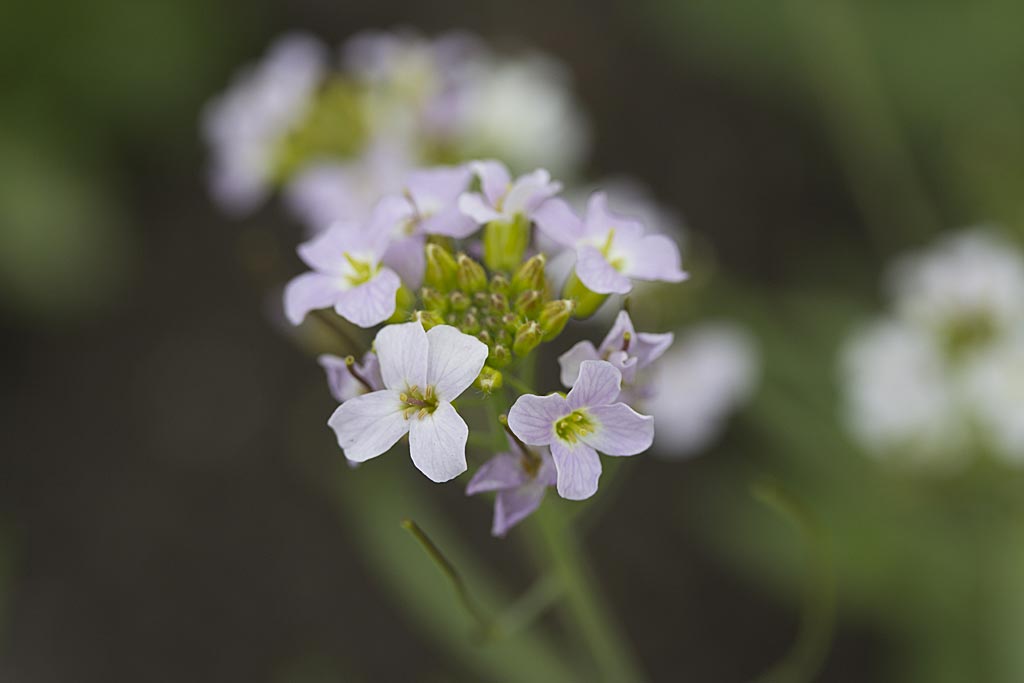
502,199
611,250
625,348
580,424
423,372
520,480
346,380
347,272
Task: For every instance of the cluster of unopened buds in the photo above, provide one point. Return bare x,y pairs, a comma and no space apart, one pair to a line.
454,270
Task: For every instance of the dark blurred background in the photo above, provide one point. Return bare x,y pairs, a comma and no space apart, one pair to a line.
160,520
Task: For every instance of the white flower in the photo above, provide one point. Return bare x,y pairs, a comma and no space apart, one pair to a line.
423,372
697,384
244,125
994,386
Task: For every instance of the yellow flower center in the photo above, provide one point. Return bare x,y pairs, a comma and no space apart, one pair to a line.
573,426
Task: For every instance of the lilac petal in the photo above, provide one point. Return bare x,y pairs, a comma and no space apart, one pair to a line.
503,471
556,219
451,222
655,257
340,381
454,360
599,220
388,218
620,430
407,258
432,189
402,353
528,192
569,362
326,251
437,443
532,418
372,302
369,425
512,506
579,468
625,364
649,347
615,340
494,179
369,370
476,207
594,271
598,384
309,292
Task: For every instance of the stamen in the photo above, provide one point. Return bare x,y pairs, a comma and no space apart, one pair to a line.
350,363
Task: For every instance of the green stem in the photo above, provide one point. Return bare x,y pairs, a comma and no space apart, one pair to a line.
584,610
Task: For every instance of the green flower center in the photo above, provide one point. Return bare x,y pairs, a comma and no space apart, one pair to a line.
359,271
418,402
606,250
968,332
574,426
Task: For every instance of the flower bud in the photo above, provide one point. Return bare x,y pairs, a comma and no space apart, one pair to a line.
587,302
527,338
470,275
458,301
485,337
499,304
554,316
441,268
529,303
489,380
470,325
404,302
503,338
500,284
511,322
530,275
428,319
434,300
505,242
499,356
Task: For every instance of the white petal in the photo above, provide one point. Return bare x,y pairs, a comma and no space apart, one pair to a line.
571,359
309,292
454,360
372,302
402,353
620,430
369,425
579,468
598,384
437,443
532,418
593,270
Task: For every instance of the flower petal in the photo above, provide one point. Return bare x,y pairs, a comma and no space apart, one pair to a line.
532,418
528,192
476,207
402,354
407,258
340,381
308,292
437,443
655,257
598,384
326,251
569,362
615,340
369,425
649,347
599,220
593,270
372,302
556,219
451,222
503,471
512,506
579,468
620,430
454,360
433,188
494,178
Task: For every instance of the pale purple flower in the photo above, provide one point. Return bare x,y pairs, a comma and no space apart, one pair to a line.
502,198
245,125
611,250
346,382
347,271
520,482
580,424
625,348
423,372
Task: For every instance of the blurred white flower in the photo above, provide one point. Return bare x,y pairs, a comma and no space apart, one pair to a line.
697,384
994,385
244,125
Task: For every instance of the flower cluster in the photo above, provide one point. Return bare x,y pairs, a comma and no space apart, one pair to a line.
941,378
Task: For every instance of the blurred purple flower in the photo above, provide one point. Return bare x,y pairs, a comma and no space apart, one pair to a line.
520,482
502,198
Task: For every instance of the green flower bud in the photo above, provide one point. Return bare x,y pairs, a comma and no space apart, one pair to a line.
500,285
470,325
506,242
499,304
458,301
428,319
434,300
481,299
554,316
587,302
529,303
485,337
441,268
527,338
530,275
490,323
404,302
499,356
503,338
470,275
511,322
489,380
